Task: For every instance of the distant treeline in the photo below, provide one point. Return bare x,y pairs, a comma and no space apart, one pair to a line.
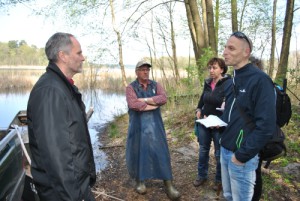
15,53
20,53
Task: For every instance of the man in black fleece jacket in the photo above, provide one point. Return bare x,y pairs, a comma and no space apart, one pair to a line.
252,92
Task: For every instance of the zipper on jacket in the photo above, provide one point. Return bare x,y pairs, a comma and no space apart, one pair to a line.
229,115
233,82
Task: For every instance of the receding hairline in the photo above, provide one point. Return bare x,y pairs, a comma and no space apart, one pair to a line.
246,44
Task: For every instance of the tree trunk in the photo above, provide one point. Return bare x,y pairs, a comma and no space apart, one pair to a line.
234,21
211,26
195,26
287,32
204,19
242,15
273,43
175,61
121,63
154,48
192,29
217,19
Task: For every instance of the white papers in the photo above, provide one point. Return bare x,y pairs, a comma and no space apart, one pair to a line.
212,121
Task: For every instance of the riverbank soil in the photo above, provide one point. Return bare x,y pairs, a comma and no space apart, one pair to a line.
114,183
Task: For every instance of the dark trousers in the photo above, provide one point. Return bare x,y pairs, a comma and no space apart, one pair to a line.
206,135
258,183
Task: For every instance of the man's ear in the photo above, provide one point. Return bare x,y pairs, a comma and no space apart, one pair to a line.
247,51
62,56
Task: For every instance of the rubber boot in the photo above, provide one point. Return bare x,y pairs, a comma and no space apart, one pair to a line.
171,191
140,187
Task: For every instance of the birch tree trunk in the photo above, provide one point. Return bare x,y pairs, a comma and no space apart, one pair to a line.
175,61
121,63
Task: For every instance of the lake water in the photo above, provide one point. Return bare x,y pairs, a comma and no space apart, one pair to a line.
106,107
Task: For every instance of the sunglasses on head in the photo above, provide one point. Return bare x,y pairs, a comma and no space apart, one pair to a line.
241,35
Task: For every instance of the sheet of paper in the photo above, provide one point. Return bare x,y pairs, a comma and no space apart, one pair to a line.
212,121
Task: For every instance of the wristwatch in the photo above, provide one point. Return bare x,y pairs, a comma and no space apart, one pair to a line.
146,99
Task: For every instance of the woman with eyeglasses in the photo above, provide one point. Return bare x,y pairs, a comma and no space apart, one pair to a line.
212,98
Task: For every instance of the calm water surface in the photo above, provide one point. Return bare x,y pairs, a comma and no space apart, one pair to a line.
106,107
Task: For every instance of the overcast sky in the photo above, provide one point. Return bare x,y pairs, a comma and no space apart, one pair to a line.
19,23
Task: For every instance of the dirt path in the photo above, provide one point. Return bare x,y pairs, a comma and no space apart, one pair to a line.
115,184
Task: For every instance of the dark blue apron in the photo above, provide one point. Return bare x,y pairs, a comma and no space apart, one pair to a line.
147,153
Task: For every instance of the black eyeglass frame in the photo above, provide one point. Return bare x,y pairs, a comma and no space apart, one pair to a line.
241,35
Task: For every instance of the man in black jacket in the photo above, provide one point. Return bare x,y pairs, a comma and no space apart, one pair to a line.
63,165
251,117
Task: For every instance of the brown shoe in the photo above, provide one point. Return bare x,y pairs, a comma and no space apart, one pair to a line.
217,186
199,182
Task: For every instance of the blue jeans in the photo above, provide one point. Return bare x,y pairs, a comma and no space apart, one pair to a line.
206,135
238,180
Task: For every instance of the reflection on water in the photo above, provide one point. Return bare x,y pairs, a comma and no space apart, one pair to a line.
106,107
10,104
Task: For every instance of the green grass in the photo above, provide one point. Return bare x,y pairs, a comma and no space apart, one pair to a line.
269,186
113,130
294,146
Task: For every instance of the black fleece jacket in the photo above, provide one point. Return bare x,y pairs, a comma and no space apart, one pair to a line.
255,96
211,99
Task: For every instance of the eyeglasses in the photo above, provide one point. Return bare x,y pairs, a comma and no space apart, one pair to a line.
241,35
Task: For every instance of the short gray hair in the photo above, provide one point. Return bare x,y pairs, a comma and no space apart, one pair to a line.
58,42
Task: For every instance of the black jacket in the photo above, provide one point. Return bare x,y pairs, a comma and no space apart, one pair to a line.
63,165
256,96
211,99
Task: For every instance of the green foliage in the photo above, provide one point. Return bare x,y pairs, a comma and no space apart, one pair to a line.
294,146
202,63
269,185
113,130
295,75
288,178
284,161
191,75
195,75
19,53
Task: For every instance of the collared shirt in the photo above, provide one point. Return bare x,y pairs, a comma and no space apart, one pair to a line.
71,81
135,104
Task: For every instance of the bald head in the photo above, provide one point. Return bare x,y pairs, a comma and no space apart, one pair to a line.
237,50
